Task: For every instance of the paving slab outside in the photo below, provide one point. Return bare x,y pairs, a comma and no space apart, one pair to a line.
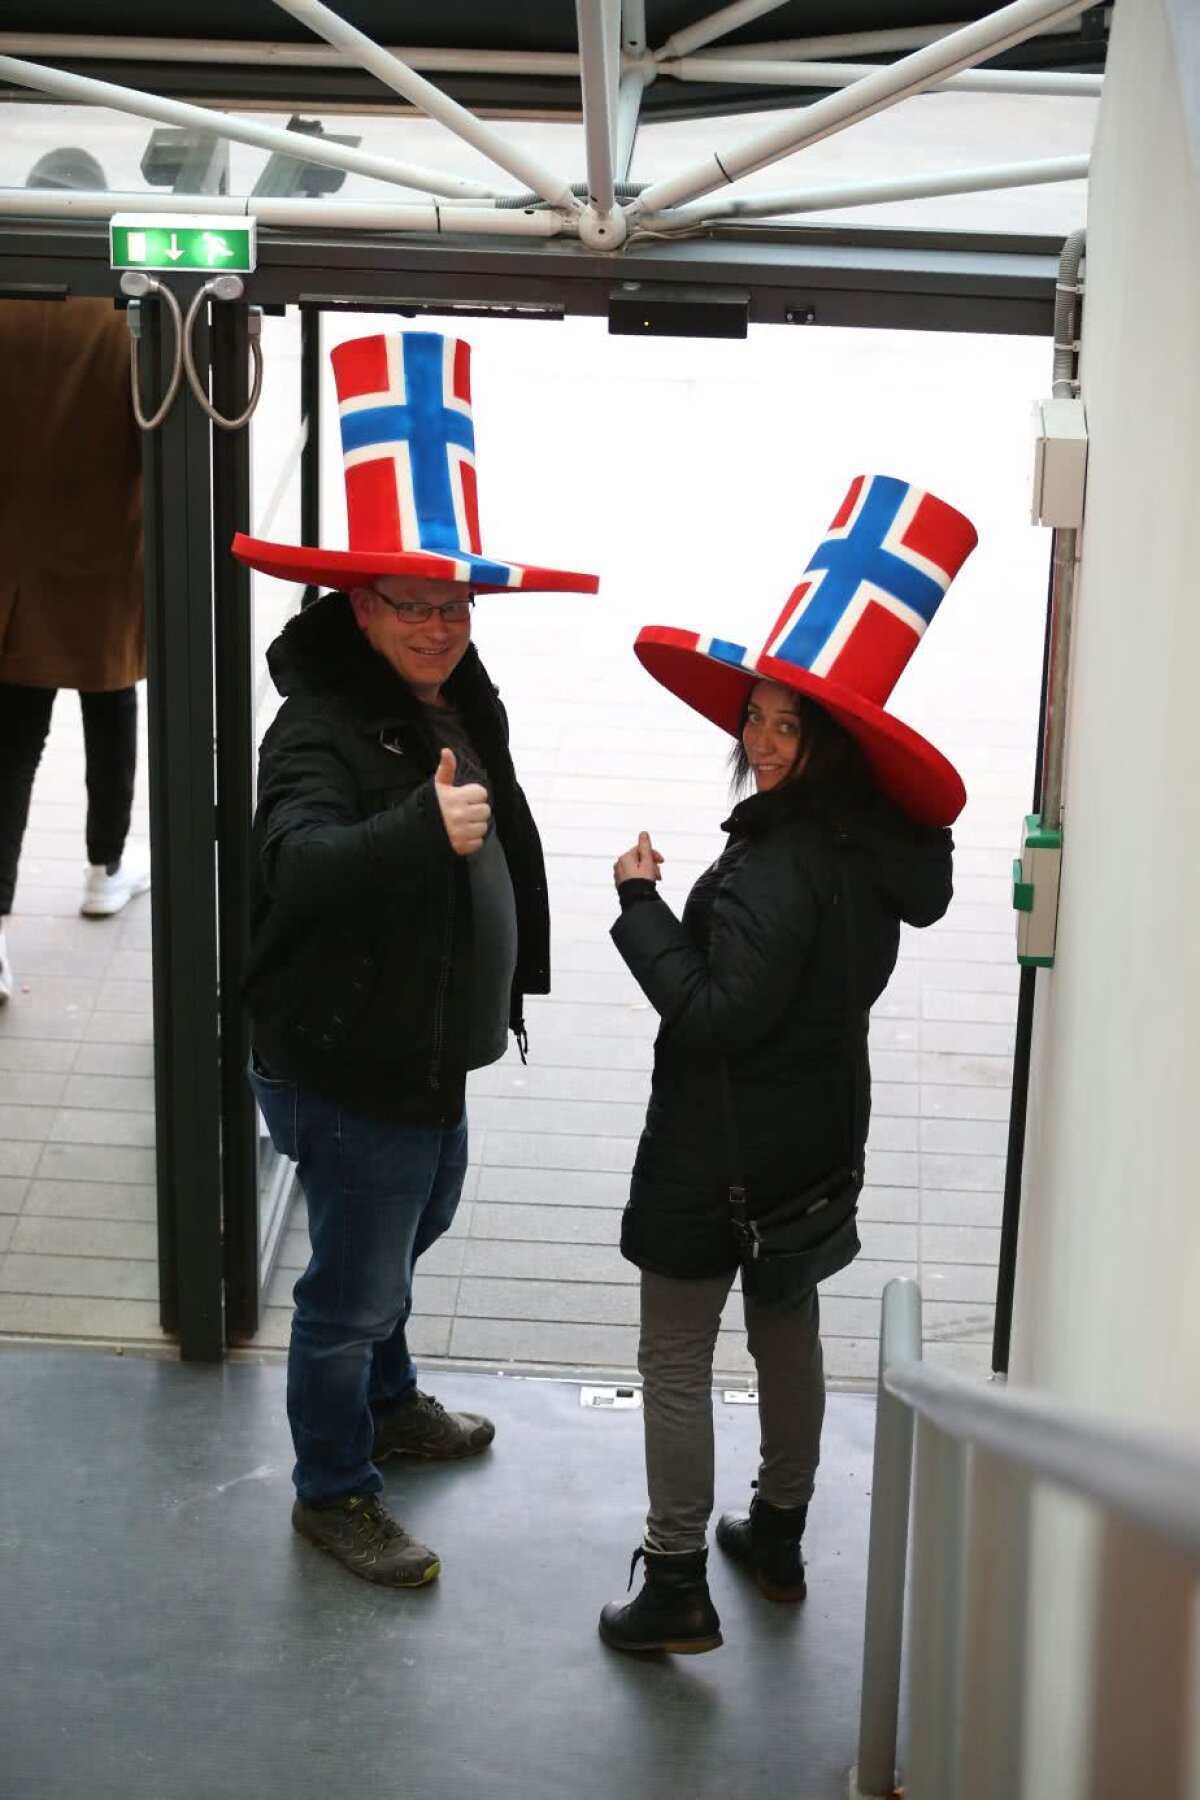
697,478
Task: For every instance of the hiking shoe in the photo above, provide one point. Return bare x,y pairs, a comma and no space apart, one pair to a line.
105,894
421,1426
6,974
364,1537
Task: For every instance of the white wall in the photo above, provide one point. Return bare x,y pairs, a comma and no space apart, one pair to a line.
1106,1310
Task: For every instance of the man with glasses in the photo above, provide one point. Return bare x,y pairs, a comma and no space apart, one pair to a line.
399,917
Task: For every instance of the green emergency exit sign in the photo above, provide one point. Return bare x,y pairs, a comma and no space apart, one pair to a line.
215,244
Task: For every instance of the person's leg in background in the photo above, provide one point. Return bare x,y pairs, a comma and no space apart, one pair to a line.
784,1338
680,1322
24,726
114,875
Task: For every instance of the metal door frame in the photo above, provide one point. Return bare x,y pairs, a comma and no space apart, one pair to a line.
199,622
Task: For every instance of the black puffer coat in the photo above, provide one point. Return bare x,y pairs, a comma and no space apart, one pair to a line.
361,912
757,973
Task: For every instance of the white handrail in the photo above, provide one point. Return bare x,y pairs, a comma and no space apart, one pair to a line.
1138,1476
979,1450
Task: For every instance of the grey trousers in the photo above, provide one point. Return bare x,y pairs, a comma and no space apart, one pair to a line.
680,1320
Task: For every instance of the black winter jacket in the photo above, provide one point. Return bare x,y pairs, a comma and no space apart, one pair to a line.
757,973
361,912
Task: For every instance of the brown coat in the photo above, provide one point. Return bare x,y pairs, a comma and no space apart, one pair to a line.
72,611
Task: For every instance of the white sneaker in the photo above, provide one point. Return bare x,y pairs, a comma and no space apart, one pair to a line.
105,894
6,974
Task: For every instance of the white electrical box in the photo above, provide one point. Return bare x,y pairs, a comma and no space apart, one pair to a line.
1035,893
1060,462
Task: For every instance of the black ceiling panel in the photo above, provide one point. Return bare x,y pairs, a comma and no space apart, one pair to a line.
539,25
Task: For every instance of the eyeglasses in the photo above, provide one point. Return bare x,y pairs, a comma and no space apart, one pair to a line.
416,612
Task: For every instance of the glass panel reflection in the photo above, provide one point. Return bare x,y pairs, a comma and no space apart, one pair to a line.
932,132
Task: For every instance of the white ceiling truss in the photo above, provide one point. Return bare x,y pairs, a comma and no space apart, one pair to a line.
614,67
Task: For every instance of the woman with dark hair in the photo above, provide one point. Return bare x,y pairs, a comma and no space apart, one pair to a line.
761,1086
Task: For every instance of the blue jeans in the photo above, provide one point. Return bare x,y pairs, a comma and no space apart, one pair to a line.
379,1193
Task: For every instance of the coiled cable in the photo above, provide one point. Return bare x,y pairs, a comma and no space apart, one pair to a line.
223,287
138,285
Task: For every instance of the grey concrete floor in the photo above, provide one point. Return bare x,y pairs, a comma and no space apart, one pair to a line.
530,1277
166,1636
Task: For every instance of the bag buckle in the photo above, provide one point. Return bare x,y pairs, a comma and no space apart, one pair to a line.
743,1229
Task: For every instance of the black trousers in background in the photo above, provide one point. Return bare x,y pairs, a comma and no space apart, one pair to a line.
110,746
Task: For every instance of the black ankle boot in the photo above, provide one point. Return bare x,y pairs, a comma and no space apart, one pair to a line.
673,1610
766,1543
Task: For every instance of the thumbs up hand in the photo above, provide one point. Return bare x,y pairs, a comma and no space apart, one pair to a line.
465,810
642,863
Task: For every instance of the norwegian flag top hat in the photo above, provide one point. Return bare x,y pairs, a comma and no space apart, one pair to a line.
408,448
844,637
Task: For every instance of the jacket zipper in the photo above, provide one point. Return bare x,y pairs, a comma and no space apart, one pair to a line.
439,1004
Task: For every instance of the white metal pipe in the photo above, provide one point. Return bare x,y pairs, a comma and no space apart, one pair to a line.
877,193
847,43
598,31
359,48
294,210
911,75
638,71
489,221
887,1555
277,54
852,43
992,1650
612,65
65,86
629,112
841,75
934,1662
633,27
716,25
1141,1476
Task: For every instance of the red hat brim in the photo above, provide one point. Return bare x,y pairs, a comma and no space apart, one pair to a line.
358,568
907,768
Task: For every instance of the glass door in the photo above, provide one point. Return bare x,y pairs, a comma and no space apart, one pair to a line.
280,504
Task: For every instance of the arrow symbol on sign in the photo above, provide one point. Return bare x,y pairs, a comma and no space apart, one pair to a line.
173,250
217,247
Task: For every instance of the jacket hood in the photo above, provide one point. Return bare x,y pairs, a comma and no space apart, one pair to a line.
322,651
910,865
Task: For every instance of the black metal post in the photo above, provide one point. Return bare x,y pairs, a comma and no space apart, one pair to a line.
180,719
1006,1273
232,632
153,367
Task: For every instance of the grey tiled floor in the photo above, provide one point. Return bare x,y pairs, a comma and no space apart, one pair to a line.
530,1275
77,1200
